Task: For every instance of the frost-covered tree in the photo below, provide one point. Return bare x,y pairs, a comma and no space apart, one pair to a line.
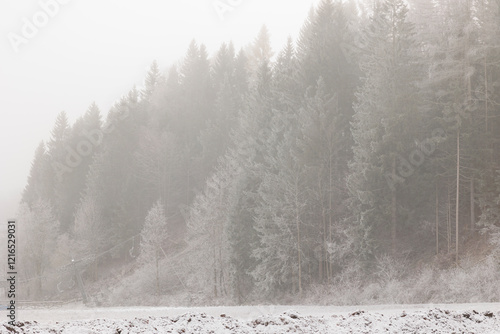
84,141
214,139
222,64
39,185
280,212
209,221
283,173
323,146
152,81
91,233
40,229
458,95
258,52
487,98
62,166
223,213
385,118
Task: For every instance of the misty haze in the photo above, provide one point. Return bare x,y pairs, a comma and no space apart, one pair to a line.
251,167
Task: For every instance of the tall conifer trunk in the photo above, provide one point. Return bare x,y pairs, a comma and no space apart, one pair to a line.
437,220
457,197
393,207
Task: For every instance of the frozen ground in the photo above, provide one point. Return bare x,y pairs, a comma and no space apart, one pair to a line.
443,318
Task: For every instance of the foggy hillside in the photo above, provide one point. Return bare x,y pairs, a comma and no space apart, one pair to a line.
358,164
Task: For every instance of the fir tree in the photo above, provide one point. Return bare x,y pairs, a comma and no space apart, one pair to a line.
41,228
383,122
38,186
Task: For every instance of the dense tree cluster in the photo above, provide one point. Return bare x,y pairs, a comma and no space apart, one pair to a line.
376,133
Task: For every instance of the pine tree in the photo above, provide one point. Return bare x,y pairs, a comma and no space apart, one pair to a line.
56,145
91,233
59,133
328,76
84,141
323,145
486,98
214,139
152,81
197,107
285,70
209,220
40,228
243,158
38,186
321,52
223,65
123,206
63,161
240,74
453,82
280,211
383,123
259,52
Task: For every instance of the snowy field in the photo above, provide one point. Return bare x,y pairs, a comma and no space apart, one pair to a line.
443,318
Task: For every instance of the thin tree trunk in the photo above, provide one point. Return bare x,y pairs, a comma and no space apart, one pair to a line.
188,183
168,194
215,269
323,253
297,221
321,262
472,206
330,262
39,280
157,276
330,210
437,220
393,192
393,207
486,95
222,286
448,221
457,196
238,288
299,257
96,271
309,269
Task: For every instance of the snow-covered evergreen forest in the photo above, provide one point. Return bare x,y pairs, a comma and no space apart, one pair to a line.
358,164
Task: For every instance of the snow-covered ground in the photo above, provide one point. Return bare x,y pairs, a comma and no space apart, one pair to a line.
443,318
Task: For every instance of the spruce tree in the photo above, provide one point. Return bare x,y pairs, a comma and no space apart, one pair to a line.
384,124
39,185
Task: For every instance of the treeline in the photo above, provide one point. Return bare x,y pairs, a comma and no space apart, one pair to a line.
376,133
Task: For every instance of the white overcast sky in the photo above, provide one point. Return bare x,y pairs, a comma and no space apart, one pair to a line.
96,50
